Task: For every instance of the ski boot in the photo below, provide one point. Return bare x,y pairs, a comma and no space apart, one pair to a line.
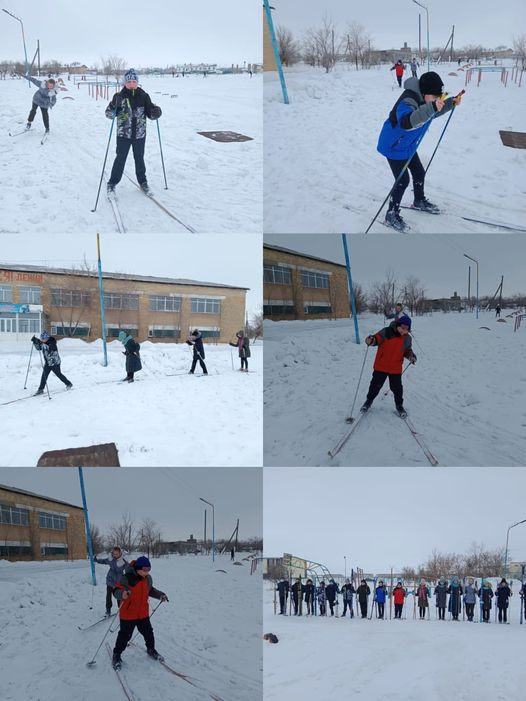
394,220
46,131
116,662
146,189
110,188
402,413
152,652
365,407
28,125
108,613
39,391
425,206
68,387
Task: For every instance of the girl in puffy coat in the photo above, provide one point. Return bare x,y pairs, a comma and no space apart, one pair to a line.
243,348
45,98
133,357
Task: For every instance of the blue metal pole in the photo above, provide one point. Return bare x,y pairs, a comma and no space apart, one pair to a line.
86,523
351,291
275,48
101,294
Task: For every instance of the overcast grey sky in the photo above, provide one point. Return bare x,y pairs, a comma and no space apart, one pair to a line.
231,259
437,260
383,517
157,32
393,23
168,495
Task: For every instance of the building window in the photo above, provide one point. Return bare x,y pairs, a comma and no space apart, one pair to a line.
113,331
29,295
69,298
115,300
317,308
210,333
163,332
53,550
6,293
12,550
58,329
28,325
309,279
277,275
165,304
14,516
206,306
56,523
279,308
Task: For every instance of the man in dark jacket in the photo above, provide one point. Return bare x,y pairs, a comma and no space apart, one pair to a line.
133,356
131,106
116,564
48,345
441,598
132,592
503,593
196,340
394,344
362,593
296,596
283,590
331,592
348,592
455,597
45,98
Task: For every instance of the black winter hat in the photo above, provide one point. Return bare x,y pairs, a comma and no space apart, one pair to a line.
430,84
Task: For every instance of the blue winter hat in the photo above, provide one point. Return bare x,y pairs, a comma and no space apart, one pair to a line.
404,320
142,562
131,74
44,336
122,336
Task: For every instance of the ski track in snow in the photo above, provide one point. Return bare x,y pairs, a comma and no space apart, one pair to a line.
464,395
213,187
183,420
217,615
321,149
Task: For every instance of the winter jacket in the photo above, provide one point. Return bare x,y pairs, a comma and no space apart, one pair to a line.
331,590
348,592
408,121
140,588
116,568
455,598
381,594
320,593
243,346
308,592
441,595
131,107
283,587
363,592
296,590
503,593
197,342
486,593
399,595
49,349
392,349
43,97
423,595
398,68
133,357
470,594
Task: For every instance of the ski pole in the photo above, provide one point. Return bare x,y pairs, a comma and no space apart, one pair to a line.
104,164
351,418
162,158
42,363
137,633
406,368
28,364
232,358
443,131
92,661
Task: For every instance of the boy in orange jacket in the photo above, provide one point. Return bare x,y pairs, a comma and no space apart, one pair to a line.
394,344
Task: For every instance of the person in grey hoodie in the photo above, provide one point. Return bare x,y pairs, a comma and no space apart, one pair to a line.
45,98
117,565
470,598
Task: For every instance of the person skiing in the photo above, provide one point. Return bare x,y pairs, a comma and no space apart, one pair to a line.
362,593
308,596
243,348
133,357
130,107
423,595
196,340
331,593
408,121
497,311
470,598
283,590
399,594
296,596
502,594
441,598
486,594
380,597
399,69
45,98
394,344
414,66
455,598
48,345
132,592
117,565
348,592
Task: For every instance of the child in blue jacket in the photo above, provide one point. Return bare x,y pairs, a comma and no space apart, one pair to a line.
45,98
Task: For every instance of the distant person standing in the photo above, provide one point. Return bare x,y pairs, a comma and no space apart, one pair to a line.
362,593
470,598
455,598
322,599
243,349
485,593
196,340
497,311
502,594
116,564
283,591
380,597
399,69
133,357
45,98
48,345
423,595
348,592
441,598
399,594
331,592
414,66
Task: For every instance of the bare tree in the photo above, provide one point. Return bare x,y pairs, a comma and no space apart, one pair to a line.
255,327
123,534
325,41
414,294
150,537
357,43
289,48
97,539
519,45
382,294
113,66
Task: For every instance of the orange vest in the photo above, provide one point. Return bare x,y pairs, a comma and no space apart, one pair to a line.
136,605
390,354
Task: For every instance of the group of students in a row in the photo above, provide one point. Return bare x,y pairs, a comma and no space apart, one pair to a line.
458,593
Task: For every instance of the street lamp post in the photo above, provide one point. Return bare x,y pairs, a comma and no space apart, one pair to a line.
477,264
213,528
427,20
345,565
507,539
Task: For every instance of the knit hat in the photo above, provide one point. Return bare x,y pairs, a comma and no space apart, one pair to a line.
122,336
404,320
142,562
44,336
430,84
131,74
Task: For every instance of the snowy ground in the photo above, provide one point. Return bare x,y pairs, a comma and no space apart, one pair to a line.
184,420
465,394
323,173
409,660
210,630
213,187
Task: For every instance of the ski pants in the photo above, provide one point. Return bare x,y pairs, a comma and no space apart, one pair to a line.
441,613
422,611
381,608
310,607
123,147
244,363
282,602
109,597
52,368
485,614
45,114
399,79
470,610
323,609
398,610
418,173
363,608
347,603
503,614
126,631
331,606
201,363
395,383
295,602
